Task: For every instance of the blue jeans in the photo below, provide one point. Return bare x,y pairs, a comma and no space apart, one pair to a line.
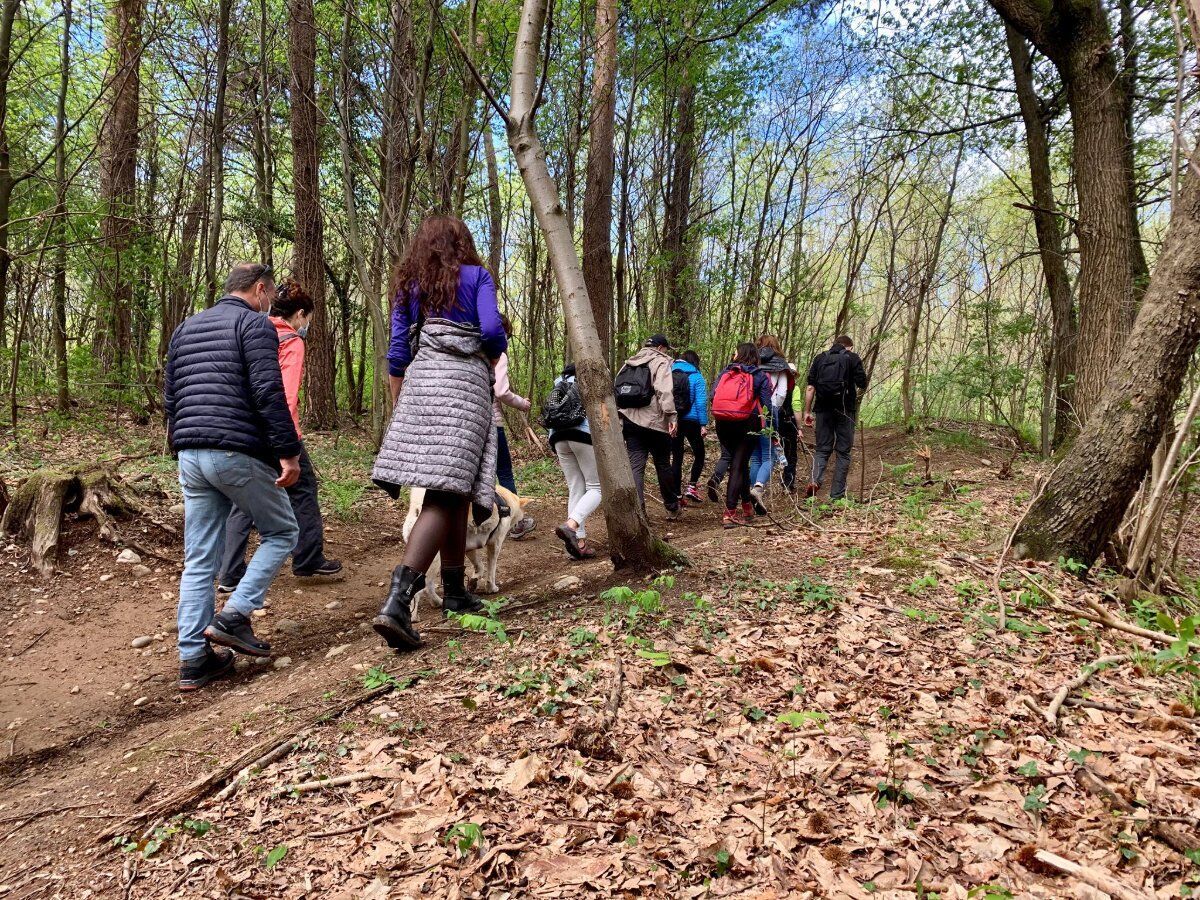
213,482
504,467
763,461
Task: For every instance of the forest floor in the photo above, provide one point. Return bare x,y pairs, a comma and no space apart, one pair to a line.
821,705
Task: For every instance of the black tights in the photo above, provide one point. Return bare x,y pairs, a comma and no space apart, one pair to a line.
739,438
441,527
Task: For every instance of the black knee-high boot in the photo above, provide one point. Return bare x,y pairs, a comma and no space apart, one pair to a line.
457,599
394,622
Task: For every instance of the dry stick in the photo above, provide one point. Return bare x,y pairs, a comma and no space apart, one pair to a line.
317,784
1172,837
1099,614
1075,683
1097,879
200,789
363,826
614,697
280,750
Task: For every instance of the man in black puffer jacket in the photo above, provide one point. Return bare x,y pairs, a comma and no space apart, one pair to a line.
227,419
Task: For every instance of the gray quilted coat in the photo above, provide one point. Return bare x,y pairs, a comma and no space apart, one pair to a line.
441,435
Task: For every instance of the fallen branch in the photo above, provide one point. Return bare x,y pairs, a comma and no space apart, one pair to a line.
1172,837
203,787
1074,684
276,753
1094,877
318,783
362,826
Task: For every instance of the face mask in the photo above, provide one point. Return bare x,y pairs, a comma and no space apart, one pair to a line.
303,330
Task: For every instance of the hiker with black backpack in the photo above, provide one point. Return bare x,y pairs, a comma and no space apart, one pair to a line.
565,418
645,397
741,396
691,406
835,380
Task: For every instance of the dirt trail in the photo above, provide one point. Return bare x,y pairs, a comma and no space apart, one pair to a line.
92,721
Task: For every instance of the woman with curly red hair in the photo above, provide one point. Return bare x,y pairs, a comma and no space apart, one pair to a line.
446,337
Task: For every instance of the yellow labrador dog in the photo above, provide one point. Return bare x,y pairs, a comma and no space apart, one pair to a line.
484,543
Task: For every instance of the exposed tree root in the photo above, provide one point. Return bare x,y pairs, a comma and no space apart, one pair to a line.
36,509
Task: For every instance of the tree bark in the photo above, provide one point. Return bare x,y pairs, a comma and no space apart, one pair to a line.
8,14
1049,238
61,375
308,261
217,154
679,299
1086,497
118,186
495,213
1076,37
597,194
629,535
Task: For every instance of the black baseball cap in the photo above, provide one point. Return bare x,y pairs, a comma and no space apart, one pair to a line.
659,340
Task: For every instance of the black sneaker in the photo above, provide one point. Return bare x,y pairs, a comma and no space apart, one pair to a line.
195,675
232,629
713,496
324,570
570,538
223,588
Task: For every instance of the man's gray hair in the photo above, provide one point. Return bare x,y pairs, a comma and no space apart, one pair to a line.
245,275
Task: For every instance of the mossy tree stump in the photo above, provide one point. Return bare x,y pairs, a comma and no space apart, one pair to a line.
37,506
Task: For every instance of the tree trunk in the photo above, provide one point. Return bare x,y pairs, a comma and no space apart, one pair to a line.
495,213
264,169
1086,497
308,260
679,299
597,195
1049,238
61,374
1077,38
118,187
217,154
8,14
629,534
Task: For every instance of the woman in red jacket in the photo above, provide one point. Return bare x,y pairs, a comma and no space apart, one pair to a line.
290,313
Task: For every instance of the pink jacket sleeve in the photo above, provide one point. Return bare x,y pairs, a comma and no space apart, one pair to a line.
504,392
291,364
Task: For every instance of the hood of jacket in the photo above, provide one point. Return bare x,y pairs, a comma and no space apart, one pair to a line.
647,356
682,365
770,361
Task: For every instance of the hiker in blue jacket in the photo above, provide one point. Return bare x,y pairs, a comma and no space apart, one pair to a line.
693,423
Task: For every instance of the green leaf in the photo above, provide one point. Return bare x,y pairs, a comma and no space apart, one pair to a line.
656,657
1034,801
798,719
1029,770
275,857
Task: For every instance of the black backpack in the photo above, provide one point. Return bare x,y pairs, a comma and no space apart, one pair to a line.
681,387
634,387
563,407
832,377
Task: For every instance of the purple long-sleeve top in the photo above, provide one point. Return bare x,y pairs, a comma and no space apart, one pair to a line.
475,305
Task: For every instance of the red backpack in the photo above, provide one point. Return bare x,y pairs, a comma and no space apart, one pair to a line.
734,397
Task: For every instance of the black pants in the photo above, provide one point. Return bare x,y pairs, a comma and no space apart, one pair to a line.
643,443
834,431
689,433
309,554
738,439
789,436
